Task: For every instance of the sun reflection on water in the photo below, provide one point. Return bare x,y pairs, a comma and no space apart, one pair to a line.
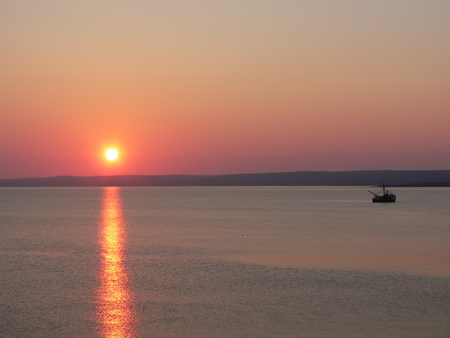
116,308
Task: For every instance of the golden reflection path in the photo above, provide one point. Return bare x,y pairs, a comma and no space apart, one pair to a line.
115,303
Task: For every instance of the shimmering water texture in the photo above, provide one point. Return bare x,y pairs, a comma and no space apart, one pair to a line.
224,262
116,309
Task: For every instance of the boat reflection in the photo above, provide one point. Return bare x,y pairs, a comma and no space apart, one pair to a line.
115,304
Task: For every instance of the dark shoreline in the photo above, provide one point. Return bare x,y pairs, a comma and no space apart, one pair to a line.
397,178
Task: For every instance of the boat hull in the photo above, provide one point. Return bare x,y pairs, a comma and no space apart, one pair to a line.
382,199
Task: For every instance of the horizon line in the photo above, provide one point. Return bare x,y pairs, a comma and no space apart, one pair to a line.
233,174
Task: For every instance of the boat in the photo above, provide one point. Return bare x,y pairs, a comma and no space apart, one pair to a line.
386,197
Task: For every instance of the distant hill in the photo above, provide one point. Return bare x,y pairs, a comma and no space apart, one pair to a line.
438,178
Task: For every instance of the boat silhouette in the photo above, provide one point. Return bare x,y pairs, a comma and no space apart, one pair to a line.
385,197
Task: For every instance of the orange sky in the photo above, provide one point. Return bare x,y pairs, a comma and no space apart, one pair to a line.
209,87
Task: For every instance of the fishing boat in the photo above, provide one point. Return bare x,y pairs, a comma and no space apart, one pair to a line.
386,197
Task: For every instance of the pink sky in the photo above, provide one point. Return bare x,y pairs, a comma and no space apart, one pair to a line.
209,87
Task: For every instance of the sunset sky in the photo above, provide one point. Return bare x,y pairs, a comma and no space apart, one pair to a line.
220,87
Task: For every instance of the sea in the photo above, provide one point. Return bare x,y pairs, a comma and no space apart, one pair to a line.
224,262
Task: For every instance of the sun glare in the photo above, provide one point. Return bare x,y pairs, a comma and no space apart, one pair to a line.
112,154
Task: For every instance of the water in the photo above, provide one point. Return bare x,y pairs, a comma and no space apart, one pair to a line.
224,262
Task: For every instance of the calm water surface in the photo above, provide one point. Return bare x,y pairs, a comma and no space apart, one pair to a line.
224,262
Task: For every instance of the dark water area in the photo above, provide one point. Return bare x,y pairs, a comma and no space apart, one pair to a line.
224,262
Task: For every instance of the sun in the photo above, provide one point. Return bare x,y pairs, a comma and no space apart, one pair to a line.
111,154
